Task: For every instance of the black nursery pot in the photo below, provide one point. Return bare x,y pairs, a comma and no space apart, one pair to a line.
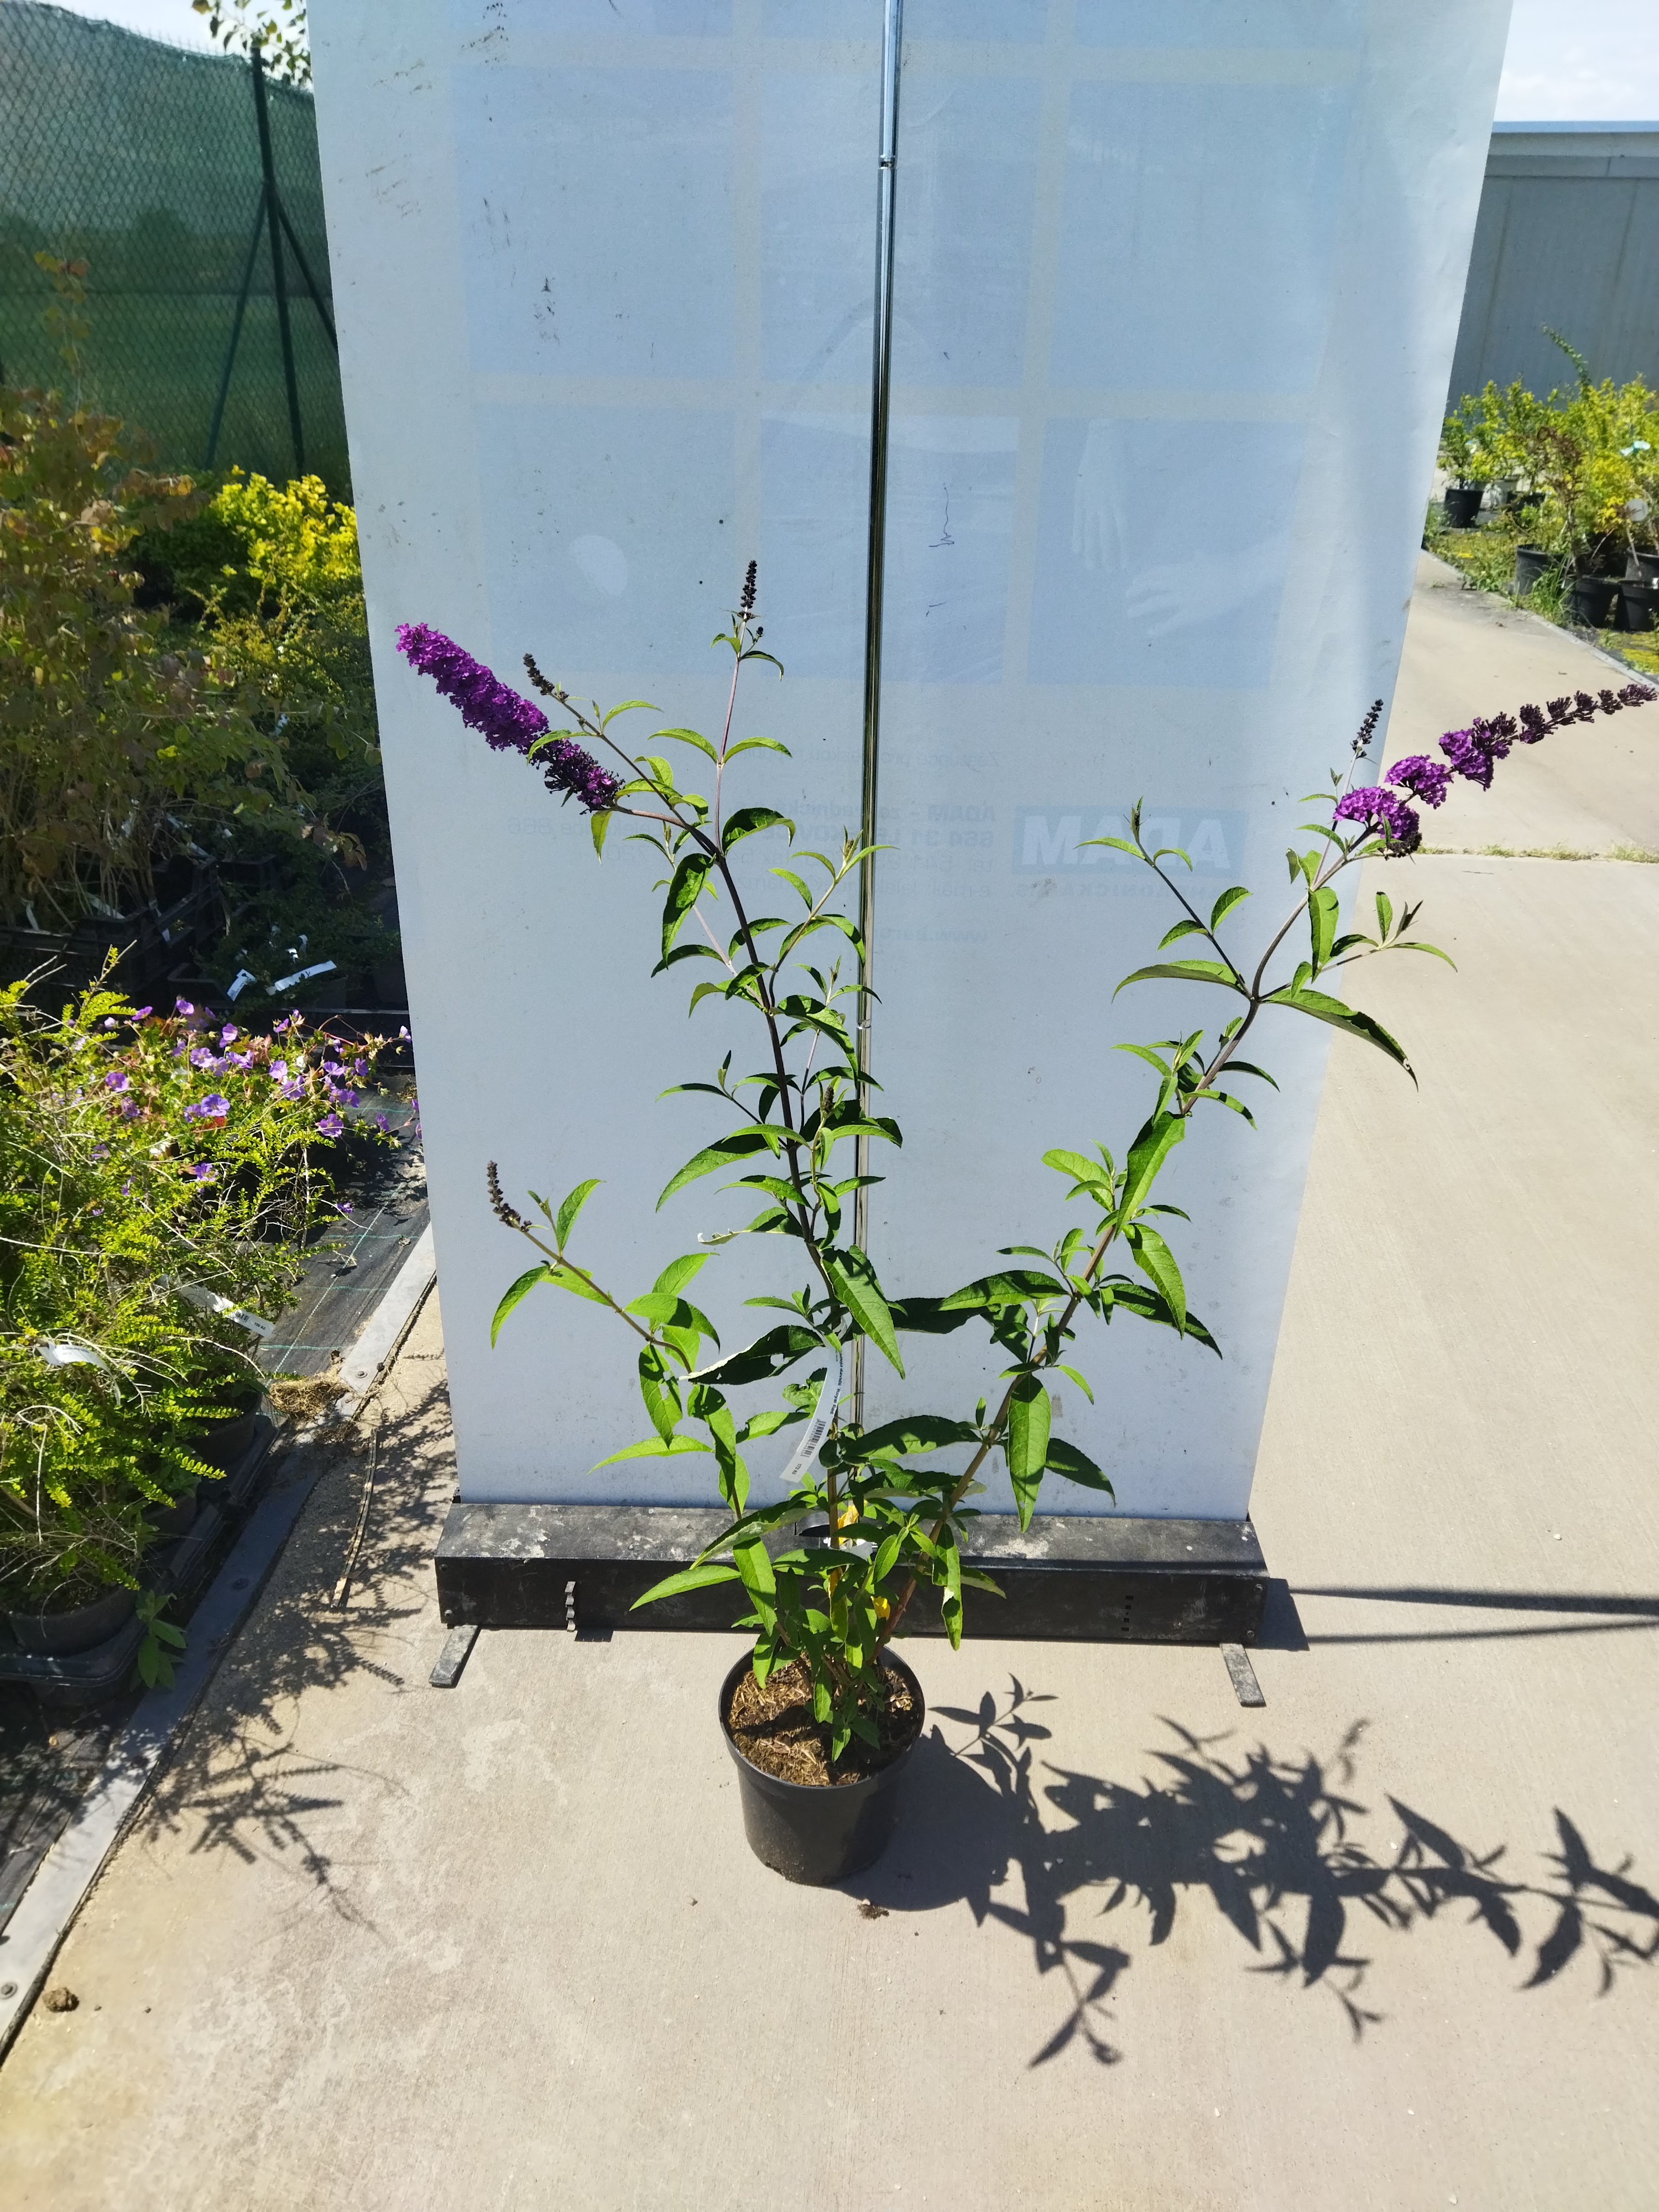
1593,600
225,1441
78,1628
1636,600
819,1834
1531,564
1461,505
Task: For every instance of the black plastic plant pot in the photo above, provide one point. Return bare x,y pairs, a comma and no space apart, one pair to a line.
819,1834
1532,564
1637,603
1593,599
223,1444
59,1635
1644,566
1461,505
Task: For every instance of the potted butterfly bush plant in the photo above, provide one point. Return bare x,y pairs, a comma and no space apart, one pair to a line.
820,1716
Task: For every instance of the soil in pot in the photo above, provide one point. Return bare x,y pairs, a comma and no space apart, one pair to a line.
774,1730
839,1822
73,1622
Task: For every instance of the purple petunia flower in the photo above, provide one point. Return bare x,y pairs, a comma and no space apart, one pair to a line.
183,1006
118,1079
509,722
279,1070
1383,814
213,1108
203,1056
331,1126
140,1013
204,1171
1424,779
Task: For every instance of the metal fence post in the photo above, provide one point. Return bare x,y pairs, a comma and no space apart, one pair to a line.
273,215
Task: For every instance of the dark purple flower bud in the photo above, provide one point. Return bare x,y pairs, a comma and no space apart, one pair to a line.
1637,695
1467,757
1535,723
1424,779
1585,705
1383,814
565,767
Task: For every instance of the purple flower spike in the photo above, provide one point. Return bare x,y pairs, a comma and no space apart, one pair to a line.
1384,814
1424,779
508,722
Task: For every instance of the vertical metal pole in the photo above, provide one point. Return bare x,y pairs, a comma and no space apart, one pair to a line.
275,223
880,388
235,332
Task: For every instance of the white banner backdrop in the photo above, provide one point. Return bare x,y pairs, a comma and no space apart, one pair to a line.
1173,324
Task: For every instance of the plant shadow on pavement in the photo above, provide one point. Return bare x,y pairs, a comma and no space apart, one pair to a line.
241,1778
1271,1840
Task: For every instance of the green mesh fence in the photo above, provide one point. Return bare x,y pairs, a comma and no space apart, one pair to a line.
143,160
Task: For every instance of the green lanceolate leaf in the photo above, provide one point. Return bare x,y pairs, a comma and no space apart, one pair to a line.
1322,924
1157,1137
521,1290
741,1146
769,1356
1010,1288
854,1282
931,1316
660,1391
598,825
1224,905
1186,927
565,1220
1325,1009
654,1448
1156,1260
679,1273
1384,913
922,1432
687,1578
693,737
748,819
756,744
1077,1166
1151,1304
1026,1444
1183,971
1077,1466
683,888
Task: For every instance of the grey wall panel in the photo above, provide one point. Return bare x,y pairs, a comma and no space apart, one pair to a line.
1568,236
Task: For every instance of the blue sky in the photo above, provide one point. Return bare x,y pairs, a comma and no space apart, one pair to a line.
1567,61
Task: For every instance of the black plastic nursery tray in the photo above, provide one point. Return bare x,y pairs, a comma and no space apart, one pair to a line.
76,1680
